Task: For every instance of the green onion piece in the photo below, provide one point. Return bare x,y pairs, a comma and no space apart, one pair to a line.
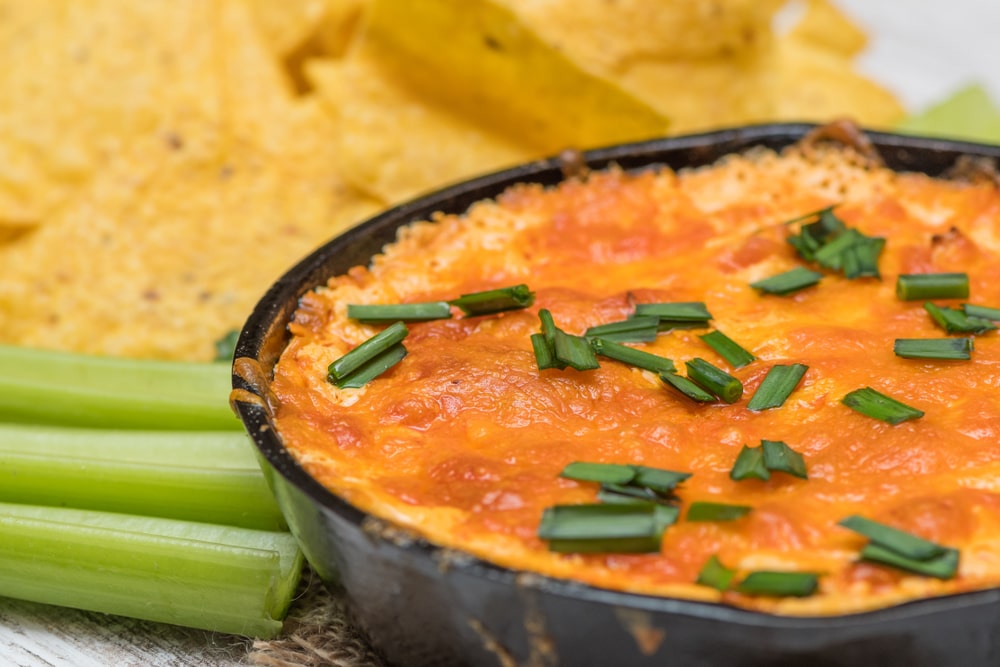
680,311
943,566
658,479
225,347
631,356
735,355
715,575
874,404
750,464
776,386
601,528
705,511
633,330
779,457
195,574
549,327
861,259
381,342
545,356
624,493
788,282
687,387
574,351
72,389
210,476
912,286
893,539
933,348
954,320
665,516
784,584
372,368
605,473
714,379
982,312
399,312
495,300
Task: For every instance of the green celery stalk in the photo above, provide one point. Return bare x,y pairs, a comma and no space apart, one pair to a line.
210,476
217,578
45,386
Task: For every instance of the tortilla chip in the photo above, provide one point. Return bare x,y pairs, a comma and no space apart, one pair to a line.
286,25
823,25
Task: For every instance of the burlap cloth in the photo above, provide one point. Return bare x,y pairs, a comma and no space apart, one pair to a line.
318,632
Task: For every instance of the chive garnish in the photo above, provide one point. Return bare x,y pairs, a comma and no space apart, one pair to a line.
633,357
405,312
943,566
933,348
788,584
680,311
687,387
735,355
714,379
640,329
750,464
954,320
982,312
776,386
912,286
706,511
658,479
558,349
715,575
603,528
545,356
877,405
788,282
898,541
833,245
370,358
779,457
495,300
605,473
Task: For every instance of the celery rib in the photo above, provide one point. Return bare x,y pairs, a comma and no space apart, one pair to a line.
217,578
208,476
52,387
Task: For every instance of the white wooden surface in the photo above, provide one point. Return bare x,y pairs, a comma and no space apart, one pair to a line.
922,49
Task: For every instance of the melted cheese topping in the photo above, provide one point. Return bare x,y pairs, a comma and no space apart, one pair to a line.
463,441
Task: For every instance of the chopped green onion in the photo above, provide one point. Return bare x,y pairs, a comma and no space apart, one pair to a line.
73,389
735,355
982,312
933,348
574,351
680,311
750,464
784,584
893,539
210,476
633,330
714,379
833,245
861,259
399,312
495,300
631,356
788,282
776,386
779,457
372,368
605,473
549,327
954,320
705,511
874,404
913,286
624,493
658,479
687,387
943,566
218,578
545,356
602,528
715,575
381,343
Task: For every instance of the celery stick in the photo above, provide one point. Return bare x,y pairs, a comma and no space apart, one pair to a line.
199,575
210,476
46,386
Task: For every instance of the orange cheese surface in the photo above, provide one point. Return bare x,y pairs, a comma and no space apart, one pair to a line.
464,439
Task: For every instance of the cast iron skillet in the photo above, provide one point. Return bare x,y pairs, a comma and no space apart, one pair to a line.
427,606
